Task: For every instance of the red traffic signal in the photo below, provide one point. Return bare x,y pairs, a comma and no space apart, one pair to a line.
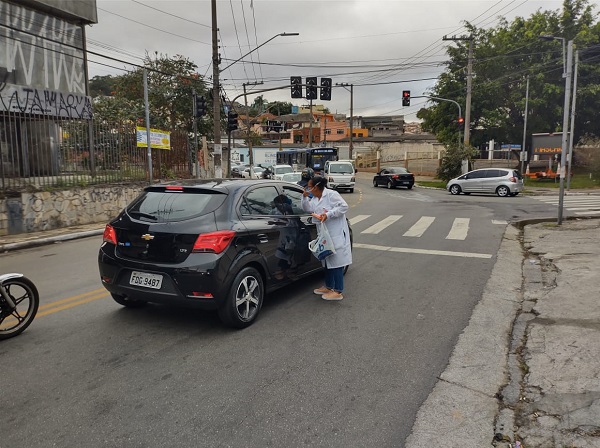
406,97
460,121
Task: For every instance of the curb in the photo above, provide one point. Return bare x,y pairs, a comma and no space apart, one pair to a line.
48,240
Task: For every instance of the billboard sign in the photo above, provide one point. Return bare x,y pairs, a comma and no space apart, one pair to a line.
546,144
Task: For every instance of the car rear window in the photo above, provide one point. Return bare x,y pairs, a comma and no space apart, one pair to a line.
167,206
398,170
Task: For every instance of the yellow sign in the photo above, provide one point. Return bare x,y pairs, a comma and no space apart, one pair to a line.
158,139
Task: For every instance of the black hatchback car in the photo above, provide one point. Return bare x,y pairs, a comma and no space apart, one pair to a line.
392,177
215,244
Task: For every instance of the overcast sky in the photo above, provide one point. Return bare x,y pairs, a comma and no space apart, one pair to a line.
380,46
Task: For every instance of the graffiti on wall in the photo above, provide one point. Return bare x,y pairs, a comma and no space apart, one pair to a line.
45,102
41,51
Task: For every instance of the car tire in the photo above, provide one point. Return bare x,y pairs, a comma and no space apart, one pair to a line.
454,189
129,303
244,299
351,190
374,183
502,191
390,185
409,187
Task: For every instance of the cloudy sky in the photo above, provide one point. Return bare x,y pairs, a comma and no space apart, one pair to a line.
380,46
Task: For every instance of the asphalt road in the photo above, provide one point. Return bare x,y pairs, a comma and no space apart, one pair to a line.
308,373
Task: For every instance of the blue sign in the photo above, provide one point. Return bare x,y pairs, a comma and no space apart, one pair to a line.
510,146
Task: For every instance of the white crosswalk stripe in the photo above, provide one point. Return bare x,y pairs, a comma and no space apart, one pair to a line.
386,222
419,228
579,205
459,230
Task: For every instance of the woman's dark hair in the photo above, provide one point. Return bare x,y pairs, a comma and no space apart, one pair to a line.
320,182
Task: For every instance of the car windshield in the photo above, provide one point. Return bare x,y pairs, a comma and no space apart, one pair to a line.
341,168
291,177
173,206
283,169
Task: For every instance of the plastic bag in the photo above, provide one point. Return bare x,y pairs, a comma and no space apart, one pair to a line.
322,247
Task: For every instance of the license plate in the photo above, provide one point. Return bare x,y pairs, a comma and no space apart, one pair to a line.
146,280
404,182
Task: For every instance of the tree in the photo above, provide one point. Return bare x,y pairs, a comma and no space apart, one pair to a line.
171,82
504,57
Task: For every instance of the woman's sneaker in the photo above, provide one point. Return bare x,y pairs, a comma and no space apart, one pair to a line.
332,295
322,290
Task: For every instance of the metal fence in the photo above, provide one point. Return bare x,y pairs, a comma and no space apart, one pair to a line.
38,153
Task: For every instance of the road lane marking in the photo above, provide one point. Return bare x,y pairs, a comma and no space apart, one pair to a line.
375,229
72,304
358,219
405,250
499,221
419,228
459,229
70,299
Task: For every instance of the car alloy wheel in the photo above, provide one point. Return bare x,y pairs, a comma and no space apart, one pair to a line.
454,189
244,300
502,191
390,185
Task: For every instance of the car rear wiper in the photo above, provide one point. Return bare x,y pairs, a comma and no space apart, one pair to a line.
144,215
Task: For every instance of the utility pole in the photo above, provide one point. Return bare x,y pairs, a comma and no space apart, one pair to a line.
467,135
248,135
216,60
523,152
310,127
572,130
351,142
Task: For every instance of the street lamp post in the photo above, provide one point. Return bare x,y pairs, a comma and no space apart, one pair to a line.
216,86
567,71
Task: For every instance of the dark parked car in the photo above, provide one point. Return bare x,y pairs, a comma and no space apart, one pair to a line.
236,170
214,244
393,177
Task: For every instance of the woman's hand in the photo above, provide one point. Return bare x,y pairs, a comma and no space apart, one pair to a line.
322,217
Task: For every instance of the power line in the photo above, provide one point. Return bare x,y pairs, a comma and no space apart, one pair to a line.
172,15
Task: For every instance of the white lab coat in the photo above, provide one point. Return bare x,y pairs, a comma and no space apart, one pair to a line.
335,207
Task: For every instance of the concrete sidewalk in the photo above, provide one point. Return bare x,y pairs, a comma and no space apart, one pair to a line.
526,370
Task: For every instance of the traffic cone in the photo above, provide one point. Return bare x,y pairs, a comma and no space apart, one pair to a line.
527,169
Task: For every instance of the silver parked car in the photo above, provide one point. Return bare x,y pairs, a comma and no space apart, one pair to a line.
501,181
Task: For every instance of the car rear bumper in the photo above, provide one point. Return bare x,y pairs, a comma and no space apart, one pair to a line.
336,185
199,284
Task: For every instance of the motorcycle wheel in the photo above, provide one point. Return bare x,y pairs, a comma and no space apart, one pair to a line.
25,295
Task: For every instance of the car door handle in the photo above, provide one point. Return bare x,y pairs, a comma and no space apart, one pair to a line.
262,238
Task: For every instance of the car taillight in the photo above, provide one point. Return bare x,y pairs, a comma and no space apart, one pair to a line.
395,176
213,242
174,188
110,235
513,179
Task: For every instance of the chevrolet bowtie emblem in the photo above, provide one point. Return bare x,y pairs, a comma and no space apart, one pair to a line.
147,237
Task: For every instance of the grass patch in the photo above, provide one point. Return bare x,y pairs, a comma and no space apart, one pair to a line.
432,183
578,181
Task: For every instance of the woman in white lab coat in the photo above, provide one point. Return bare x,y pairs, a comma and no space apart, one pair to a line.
329,207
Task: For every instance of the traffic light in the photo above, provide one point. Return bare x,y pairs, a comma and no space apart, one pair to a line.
406,97
460,121
311,88
232,121
325,89
296,85
199,106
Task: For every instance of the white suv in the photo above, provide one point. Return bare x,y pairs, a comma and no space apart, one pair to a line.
340,175
278,170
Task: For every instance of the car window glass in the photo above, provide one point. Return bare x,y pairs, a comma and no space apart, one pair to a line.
517,174
502,173
341,168
259,201
493,173
477,174
160,206
295,196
